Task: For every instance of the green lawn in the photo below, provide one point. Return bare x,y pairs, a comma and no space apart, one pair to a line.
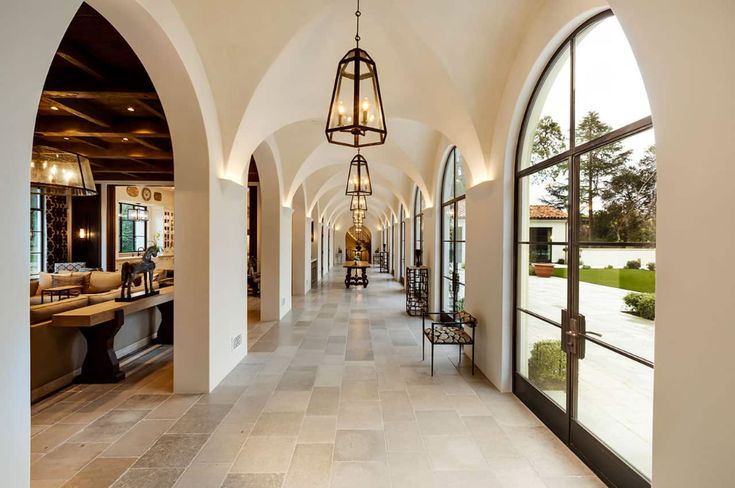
640,280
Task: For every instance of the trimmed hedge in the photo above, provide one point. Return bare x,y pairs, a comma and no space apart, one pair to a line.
547,366
641,304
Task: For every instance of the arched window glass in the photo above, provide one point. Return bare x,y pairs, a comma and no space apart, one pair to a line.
453,233
418,221
586,249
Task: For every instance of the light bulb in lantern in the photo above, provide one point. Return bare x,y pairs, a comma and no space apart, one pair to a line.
45,164
371,118
365,108
340,113
54,169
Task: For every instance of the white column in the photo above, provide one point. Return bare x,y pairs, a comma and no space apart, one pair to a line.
301,252
431,256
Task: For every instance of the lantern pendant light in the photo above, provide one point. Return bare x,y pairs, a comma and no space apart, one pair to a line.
358,203
55,172
356,117
358,179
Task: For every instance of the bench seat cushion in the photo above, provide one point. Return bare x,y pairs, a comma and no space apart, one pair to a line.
446,334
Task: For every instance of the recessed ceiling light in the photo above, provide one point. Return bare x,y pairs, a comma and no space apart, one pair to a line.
66,138
54,107
125,139
131,109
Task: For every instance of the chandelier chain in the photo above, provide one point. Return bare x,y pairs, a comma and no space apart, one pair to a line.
357,21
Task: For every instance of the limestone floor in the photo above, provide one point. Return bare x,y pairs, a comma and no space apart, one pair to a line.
334,395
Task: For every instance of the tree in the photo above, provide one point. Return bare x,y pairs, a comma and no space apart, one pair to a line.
597,166
630,202
548,141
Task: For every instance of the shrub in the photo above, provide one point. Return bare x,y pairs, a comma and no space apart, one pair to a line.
651,266
584,266
560,261
547,366
609,266
641,304
633,264
531,271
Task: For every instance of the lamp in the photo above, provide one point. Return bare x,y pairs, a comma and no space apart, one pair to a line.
358,179
56,172
355,115
358,203
138,214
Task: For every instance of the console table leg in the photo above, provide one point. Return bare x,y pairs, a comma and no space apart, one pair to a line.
165,333
101,364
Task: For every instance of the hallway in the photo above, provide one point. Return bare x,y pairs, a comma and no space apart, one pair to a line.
335,395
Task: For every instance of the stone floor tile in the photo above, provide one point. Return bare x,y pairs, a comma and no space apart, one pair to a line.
359,475
310,467
200,419
172,451
149,478
254,480
278,423
265,455
137,440
318,430
110,427
203,476
100,472
359,445
359,415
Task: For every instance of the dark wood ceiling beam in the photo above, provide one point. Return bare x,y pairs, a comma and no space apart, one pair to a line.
134,177
53,126
101,95
80,60
90,142
151,110
131,165
147,144
114,151
82,109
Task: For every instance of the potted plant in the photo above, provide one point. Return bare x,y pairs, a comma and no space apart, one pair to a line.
544,270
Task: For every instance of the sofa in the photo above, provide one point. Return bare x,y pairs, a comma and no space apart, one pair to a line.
57,353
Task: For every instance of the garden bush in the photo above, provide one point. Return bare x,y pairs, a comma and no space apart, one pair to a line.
651,266
560,261
609,266
633,264
641,304
547,366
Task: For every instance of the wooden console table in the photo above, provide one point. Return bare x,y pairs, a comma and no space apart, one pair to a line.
356,279
100,323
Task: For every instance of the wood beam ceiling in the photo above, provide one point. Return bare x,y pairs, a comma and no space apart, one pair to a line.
99,102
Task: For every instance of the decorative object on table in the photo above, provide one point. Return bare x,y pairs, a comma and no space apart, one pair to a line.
55,172
157,196
132,191
60,292
449,328
418,258
358,252
417,290
130,271
385,261
356,115
146,194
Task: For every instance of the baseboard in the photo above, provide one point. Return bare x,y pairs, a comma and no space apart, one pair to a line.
67,379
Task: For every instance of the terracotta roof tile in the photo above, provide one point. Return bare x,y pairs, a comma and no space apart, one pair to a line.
546,212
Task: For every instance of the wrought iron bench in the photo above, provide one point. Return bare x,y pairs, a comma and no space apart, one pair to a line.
448,328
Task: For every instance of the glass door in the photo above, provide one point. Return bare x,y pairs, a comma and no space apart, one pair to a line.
585,254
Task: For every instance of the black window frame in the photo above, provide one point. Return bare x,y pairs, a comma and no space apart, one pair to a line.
41,211
453,242
123,217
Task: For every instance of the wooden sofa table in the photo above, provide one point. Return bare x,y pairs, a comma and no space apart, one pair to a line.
356,279
100,323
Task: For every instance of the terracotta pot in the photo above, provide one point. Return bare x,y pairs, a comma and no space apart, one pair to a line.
543,270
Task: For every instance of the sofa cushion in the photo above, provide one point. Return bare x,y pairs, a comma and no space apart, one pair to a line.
85,276
96,298
34,287
103,281
65,280
45,281
41,313
68,267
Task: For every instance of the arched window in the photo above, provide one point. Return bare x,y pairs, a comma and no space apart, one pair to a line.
418,221
585,247
453,234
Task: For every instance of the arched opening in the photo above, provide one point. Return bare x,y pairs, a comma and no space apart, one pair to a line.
587,150
358,244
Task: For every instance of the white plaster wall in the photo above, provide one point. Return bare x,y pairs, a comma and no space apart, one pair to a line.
301,252
684,49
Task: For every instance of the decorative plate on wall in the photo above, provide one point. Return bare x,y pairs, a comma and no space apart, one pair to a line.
157,196
146,194
132,191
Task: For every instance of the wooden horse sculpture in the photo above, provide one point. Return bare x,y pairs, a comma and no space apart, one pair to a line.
130,272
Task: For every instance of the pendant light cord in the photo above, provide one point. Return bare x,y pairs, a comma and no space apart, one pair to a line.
357,31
